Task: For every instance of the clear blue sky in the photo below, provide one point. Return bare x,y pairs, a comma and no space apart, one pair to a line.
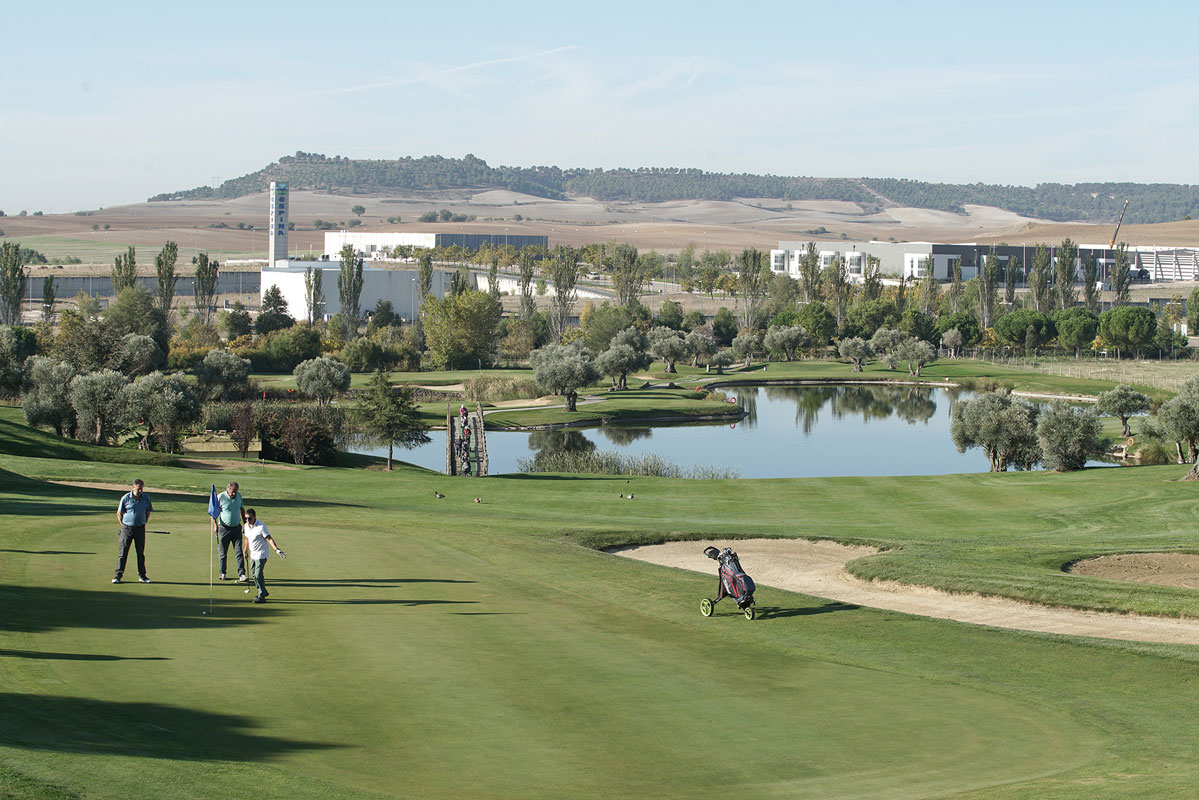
108,103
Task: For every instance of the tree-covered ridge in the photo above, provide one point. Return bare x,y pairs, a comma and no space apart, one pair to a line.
1094,202
1088,202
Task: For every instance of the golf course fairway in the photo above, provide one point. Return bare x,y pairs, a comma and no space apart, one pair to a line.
441,648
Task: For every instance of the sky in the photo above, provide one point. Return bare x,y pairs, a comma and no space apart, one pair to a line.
109,103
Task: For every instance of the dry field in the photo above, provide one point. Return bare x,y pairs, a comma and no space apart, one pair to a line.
667,227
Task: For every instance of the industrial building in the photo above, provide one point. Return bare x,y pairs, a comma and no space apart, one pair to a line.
399,287
911,259
373,245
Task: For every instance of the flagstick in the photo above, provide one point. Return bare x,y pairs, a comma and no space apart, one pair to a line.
211,550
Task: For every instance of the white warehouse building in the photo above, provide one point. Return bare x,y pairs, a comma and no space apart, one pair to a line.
400,287
912,259
372,245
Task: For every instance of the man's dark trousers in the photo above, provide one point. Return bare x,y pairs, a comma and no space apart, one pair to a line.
231,536
135,535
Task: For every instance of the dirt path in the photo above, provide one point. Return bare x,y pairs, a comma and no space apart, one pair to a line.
124,487
818,569
215,464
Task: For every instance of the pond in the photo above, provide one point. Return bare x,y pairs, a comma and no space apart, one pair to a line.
790,432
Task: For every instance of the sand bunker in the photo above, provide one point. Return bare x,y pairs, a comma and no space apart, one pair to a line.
818,569
1167,569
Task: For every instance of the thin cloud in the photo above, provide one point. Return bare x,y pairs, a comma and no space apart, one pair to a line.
450,71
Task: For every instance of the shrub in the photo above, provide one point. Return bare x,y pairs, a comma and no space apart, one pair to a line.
322,378
303,433
223,376
283,351
609,462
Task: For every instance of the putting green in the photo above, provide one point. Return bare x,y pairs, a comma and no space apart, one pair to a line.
416,647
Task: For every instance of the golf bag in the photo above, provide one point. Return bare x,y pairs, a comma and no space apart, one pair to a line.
734,582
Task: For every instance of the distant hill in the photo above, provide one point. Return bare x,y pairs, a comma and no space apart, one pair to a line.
1086,202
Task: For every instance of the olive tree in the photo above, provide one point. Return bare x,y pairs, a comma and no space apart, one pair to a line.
857,350
101,404
916,353
668,345
1123,402
618,361
45,402
745,345
16,345
223,375
136,355
951,340
167,403
1178,421
787,340
564,369
1069,436
722,359
701,345
1003,426
322,378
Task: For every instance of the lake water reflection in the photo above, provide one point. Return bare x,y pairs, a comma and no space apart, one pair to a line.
790,431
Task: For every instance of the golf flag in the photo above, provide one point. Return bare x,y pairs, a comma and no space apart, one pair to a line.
214,508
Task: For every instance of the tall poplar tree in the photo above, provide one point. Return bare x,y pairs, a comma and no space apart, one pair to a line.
562,270
49,294
809,273
1121,276
314,293
1009,281
1090,283
1067,265
1038,279
872,279
164,268
349,290
207,273
955,285
528,259
124,271
12,282
987,285
751,280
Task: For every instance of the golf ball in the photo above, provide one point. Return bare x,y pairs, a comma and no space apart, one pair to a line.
203,612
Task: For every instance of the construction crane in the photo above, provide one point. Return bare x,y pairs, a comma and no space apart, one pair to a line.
1112,246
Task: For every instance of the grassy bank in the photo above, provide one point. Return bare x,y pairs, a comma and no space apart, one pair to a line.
423,647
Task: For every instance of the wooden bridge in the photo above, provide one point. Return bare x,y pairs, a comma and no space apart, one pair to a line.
465,456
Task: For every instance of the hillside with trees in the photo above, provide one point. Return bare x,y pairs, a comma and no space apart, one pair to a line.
1085,202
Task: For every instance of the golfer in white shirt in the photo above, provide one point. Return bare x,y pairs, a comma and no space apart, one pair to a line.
256,543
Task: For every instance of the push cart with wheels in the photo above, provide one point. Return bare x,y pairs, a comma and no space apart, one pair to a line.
732,582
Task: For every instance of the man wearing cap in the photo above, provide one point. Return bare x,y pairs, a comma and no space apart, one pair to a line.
133,512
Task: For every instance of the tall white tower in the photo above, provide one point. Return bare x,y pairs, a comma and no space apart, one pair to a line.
277,246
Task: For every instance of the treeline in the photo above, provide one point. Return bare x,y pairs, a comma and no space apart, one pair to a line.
1088,202
1091,202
